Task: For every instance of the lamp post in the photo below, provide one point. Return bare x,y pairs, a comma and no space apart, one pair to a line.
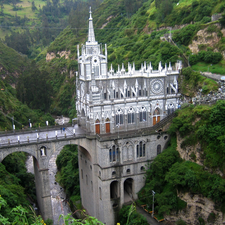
13,126
153,193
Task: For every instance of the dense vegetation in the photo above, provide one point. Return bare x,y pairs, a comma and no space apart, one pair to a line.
166,195
130,30
68,175
17,187
129,215
208,131
168,174
30,36
191,82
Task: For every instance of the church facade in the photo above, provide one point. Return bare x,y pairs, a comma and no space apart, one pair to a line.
108,101
124,100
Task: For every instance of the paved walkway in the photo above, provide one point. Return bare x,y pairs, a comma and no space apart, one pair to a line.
148,217
213,76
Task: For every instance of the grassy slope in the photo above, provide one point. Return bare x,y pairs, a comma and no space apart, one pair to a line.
24,9
11,60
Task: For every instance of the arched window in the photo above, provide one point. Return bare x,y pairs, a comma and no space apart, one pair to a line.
114,154
110,155
131,115
143,150
156,116
142,114
156,112
158,149
170,109
140,149
119,117
113,173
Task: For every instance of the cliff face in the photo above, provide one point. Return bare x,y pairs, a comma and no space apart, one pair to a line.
204,39
51,55
197,207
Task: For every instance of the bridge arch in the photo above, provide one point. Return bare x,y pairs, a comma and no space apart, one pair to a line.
6,153
128,190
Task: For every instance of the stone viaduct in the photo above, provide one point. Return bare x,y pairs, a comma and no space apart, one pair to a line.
104,188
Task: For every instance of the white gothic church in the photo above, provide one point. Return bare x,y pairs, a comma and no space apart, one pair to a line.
109,100
112,170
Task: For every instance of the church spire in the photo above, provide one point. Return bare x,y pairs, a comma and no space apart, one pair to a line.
91,34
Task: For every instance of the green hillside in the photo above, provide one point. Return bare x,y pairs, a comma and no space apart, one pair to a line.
201,132
14,69
129,29
133,31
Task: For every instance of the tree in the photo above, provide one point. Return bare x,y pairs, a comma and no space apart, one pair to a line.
2,7
33,6
33,88
77,17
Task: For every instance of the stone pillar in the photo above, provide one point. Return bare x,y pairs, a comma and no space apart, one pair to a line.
43,191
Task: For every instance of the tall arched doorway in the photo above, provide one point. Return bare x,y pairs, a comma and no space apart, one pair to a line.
97,126
107,125
156,116
114,190
128,190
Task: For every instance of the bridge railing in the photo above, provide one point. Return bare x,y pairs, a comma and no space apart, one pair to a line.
14,142
34,129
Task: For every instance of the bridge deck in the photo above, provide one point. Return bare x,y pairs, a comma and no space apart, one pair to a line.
46,135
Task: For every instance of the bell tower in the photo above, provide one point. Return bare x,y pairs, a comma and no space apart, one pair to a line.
92,68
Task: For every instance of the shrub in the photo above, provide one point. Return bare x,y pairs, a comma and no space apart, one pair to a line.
187,72
193,59
212,28
180,222
205,89
211,217
201,221
206,19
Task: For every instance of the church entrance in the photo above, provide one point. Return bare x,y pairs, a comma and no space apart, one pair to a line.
156,116
97,126
107,125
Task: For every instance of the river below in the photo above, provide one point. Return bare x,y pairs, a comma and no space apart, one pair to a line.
58,196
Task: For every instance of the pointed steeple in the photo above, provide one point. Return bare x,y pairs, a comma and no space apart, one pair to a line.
91,33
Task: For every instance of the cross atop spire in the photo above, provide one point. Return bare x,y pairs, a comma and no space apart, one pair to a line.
91,34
